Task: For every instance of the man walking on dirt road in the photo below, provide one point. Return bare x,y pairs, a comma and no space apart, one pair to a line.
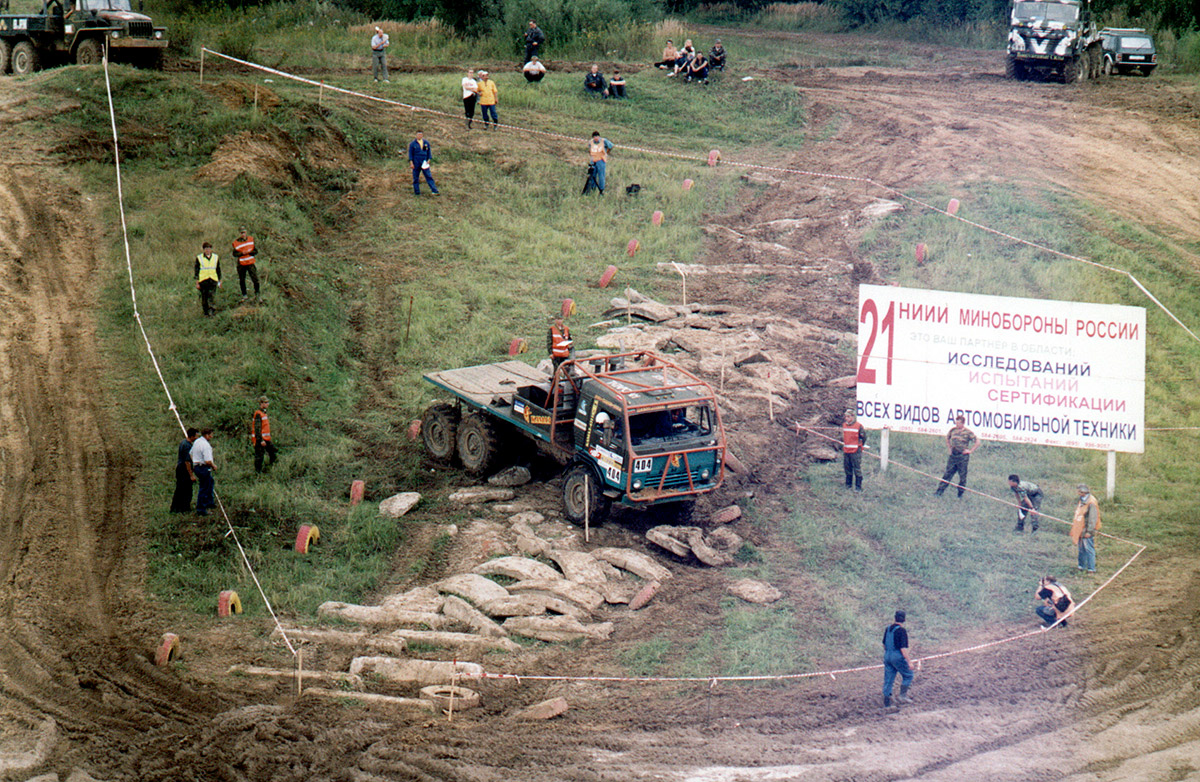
208,278
961,442
260,435
181,501
203,467
896,661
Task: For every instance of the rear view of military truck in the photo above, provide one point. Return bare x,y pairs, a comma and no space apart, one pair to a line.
1053,39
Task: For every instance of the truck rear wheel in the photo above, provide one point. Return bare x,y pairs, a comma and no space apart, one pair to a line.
477,444
25,59
89,52
439,430
5,53
583,496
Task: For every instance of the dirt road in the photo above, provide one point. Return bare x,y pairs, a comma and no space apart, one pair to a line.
1115,699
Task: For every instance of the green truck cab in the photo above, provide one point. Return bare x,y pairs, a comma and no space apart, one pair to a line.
631,428
77,31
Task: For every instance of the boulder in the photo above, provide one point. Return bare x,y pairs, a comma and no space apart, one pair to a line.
618,592
418,672
578,566
398,504
662,536
513,476
379,616
557,628
637,563
462,612
544,710
531,545
821,451
464,642
472,587
724,539
527,517
753,591
579,594
474,494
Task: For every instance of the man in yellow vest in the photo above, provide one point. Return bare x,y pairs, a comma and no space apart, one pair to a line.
260,435
208,278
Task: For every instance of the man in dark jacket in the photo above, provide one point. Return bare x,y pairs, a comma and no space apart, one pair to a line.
419,155
534,38
181,501
896,661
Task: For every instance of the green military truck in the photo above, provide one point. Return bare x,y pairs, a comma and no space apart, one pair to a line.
77,31
631,428
1053,38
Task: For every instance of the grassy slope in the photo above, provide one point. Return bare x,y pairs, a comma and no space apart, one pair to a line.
345,250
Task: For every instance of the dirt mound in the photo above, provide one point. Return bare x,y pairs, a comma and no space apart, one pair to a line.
238,94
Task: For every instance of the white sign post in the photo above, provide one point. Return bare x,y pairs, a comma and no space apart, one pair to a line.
1060,373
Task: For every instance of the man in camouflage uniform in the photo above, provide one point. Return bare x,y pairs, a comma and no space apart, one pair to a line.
960,441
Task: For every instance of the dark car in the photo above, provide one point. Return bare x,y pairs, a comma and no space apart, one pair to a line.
1128,50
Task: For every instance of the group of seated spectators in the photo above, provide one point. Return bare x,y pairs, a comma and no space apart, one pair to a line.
595,84
691,64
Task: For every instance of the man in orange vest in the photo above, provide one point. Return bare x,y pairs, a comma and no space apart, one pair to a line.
558,342
260,435
243,250
854,440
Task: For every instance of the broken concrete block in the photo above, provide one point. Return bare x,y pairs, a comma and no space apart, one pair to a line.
463,642
471,494
644,596
660,537
821,452
513,476
472,587
753,591
578,566
531,545
641,565
458,610
416,599
706,553
557,628
418,672
520,568
526,604
544,710
617,592
380,616
579,594
354,640
528,518
398,504
724,539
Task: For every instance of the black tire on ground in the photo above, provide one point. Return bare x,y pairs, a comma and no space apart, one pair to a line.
478,446
680,513
579,484
1108,67
1147,71
25,59
5,54
1013,69
89,52
1073,70
439,431
151,60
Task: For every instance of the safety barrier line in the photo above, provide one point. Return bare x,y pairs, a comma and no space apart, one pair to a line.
112,117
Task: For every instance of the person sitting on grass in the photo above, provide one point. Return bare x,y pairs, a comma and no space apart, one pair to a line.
685,56
698,69
716,58
534,70
670,54
616,86
594,82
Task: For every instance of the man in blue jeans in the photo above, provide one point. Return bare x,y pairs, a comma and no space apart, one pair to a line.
895,661
202,468
419,155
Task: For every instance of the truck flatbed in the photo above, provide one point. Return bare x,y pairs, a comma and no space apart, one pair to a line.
486,385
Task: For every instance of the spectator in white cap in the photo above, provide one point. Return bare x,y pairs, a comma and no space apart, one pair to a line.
379,45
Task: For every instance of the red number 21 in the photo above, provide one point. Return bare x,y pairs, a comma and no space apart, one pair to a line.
869,309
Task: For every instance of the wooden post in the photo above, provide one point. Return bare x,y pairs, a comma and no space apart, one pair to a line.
321,95
256,100
299,671
884,438
587,508
408,323
201,64
1112,475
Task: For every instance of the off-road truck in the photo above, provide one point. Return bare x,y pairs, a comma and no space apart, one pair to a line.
77,31
1053,38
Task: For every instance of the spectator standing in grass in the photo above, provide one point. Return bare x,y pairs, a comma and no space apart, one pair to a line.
243,251
203,467
960,442
594,82
489,96
379,45
534,70
896,661
616,86
716,57
470,89
1029,502
260,435
534,38
181,501
419,155
670,55
854,440
1056,602
598,149
208,278
1084,527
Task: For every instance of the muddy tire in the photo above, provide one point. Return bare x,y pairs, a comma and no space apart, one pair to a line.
582,496
1013,69
89,52
5,56
1108,67
1073,70
478,446
25,59
439,431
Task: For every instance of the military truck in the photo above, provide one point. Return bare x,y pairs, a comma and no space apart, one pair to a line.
630,428
1053,38
79,32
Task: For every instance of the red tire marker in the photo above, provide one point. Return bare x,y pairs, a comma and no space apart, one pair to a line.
714,156
307,535
168,649
687,184
358,487
517,346
632,248
656,218
727,515
644,596
606,278
920,253
228,603
414,433
952,207
568,308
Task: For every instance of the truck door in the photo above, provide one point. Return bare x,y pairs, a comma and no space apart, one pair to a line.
605,443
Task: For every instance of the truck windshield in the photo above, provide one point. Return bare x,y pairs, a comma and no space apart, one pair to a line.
666,425
1047,12
104,5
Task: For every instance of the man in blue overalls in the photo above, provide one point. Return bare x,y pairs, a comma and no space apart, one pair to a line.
895,661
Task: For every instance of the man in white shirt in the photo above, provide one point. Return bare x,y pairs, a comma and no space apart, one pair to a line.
379,45
534,70
203,467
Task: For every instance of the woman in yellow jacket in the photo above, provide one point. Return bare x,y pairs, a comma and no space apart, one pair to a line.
488,95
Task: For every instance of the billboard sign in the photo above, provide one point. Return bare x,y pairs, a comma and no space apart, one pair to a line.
1059,373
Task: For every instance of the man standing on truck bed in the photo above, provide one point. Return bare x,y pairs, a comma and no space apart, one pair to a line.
243,250
558,342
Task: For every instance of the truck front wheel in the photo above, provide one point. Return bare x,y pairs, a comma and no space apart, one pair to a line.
1073,70
583,497
25,58
439,430
89,52
477,444
1013,69
5,53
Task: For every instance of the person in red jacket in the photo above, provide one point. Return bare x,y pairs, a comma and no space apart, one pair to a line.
559,343
243,251
260,435
854,440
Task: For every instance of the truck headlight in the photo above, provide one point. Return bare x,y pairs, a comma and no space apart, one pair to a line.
637,484
704,475
116,34
158,34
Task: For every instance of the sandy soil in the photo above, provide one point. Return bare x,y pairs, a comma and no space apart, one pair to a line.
1113,698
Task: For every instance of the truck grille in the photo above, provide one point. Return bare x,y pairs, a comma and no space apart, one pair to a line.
679,480
141,29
